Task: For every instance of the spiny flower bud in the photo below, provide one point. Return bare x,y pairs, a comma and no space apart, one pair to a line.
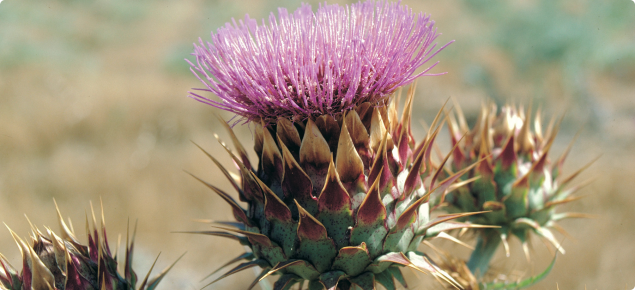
55,262
517,182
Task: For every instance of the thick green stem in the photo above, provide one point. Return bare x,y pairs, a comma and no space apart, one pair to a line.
485,249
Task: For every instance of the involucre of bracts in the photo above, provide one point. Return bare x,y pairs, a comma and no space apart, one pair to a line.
341,202
518,183
53,262
304,65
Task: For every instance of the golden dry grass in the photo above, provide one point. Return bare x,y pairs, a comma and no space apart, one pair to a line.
92,105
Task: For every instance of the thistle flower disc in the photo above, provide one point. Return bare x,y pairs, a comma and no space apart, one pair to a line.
304,64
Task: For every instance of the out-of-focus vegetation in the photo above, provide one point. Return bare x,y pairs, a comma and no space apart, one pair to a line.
576,40
92,104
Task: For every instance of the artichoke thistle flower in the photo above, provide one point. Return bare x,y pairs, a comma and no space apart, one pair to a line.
518,184
340,196
55,262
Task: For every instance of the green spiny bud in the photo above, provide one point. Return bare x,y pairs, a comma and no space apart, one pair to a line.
517,182
55,262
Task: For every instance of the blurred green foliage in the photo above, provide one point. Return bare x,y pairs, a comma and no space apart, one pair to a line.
576,39
575,35
63,32
570,33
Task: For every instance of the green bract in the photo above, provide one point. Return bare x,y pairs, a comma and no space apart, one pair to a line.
342,202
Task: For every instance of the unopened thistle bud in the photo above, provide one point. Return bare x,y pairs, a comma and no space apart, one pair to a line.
61,262
518,183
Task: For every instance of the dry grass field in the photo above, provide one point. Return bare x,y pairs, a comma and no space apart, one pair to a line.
93,106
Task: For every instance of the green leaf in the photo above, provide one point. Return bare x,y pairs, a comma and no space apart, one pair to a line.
522,284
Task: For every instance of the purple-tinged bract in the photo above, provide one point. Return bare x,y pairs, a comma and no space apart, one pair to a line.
52,262
306,64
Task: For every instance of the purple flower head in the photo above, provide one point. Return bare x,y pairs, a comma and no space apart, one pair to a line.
307,64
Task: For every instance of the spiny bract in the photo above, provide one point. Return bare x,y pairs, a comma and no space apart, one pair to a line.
518,183
341,202
62,263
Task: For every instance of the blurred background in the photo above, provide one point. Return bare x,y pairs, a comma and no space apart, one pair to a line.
93,105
